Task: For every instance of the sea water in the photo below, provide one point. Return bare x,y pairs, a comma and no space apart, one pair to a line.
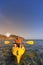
33,54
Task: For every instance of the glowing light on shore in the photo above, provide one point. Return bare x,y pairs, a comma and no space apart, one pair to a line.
7,34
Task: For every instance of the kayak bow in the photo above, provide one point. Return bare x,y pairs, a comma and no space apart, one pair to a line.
18,52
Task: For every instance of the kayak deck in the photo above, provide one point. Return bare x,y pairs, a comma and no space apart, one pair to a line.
18,52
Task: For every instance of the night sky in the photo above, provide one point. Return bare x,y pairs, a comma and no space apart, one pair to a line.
22,17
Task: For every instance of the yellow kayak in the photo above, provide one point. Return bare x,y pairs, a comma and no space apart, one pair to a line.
18,52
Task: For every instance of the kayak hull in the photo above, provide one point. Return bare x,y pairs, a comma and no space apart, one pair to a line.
18,52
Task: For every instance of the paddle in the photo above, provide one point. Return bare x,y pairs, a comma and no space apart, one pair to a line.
31,42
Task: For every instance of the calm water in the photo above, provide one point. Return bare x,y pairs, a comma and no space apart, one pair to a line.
32,56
